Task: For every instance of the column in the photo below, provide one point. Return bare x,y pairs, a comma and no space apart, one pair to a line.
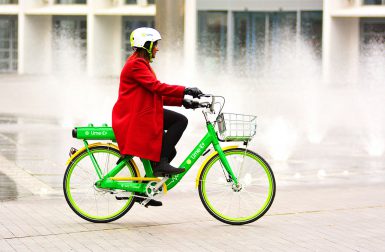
190,36
340,45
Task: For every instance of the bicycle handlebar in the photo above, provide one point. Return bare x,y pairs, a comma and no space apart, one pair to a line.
210,105
204,104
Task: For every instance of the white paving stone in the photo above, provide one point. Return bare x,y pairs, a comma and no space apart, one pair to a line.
349,220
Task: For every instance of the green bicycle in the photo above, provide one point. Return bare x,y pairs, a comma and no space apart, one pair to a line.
236,185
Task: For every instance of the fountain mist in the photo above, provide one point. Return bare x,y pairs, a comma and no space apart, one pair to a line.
302,118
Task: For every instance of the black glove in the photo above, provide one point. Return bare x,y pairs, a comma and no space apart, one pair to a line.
190,104
194,92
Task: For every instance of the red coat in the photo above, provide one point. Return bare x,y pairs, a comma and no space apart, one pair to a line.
137,117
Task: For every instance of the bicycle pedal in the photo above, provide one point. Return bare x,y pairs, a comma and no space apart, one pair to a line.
145,202
122,198
151,202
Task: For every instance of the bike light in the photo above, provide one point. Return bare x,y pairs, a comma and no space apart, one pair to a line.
72,151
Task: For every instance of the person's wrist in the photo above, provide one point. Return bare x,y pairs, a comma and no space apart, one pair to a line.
185,103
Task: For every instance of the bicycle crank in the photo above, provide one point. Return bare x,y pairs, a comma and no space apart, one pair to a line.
154,188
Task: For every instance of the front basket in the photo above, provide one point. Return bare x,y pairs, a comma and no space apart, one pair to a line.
236,127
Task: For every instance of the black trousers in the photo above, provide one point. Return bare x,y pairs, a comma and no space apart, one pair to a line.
174,125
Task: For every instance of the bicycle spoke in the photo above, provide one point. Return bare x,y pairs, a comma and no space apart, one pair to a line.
216,191
227,207
247,202
85,170
239,203
96,204
241,166
220,194
221,184
258,195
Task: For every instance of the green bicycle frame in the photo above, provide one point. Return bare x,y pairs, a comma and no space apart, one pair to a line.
209,138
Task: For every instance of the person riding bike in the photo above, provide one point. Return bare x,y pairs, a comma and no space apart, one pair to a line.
142,127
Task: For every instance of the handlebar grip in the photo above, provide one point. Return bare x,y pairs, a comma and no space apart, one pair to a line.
212,104
204,95
204,105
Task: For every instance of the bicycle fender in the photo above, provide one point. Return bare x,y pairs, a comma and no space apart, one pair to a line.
207,160
89,146
113,146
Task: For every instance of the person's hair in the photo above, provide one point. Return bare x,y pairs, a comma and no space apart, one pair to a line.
142,53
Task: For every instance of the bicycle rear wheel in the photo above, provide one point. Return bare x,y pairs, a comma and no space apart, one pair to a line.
245,203
87,201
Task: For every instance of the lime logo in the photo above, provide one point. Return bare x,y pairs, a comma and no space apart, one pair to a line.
188,162
98,133
87,133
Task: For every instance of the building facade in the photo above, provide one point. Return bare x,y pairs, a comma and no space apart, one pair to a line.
93,36
350,28
250,33
44,36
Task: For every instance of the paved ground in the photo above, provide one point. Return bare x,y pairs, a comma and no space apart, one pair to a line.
301,219
330,195
313,212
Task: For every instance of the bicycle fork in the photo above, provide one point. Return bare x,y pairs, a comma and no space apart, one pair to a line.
225,163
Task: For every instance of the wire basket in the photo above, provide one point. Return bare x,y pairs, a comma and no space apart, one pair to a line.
236,127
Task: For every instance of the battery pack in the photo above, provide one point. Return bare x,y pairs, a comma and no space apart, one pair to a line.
94,133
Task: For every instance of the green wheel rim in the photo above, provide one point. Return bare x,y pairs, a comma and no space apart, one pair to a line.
265,206
72,202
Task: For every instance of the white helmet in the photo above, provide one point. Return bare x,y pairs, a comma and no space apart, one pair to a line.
141,35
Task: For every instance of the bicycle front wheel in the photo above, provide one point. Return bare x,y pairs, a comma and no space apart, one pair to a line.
244,203
87,201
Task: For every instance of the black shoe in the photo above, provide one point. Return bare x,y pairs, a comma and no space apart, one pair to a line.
150,203
163,168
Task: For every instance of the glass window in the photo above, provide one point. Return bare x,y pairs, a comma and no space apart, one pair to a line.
151,1
70,43
4,54
282,25
131,2
8,43
311,29
130,24
372,50
3,66
372,33
4,44
212,37
374,2
71,1
9,1
249,38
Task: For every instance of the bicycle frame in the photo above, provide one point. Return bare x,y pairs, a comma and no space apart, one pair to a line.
109,182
